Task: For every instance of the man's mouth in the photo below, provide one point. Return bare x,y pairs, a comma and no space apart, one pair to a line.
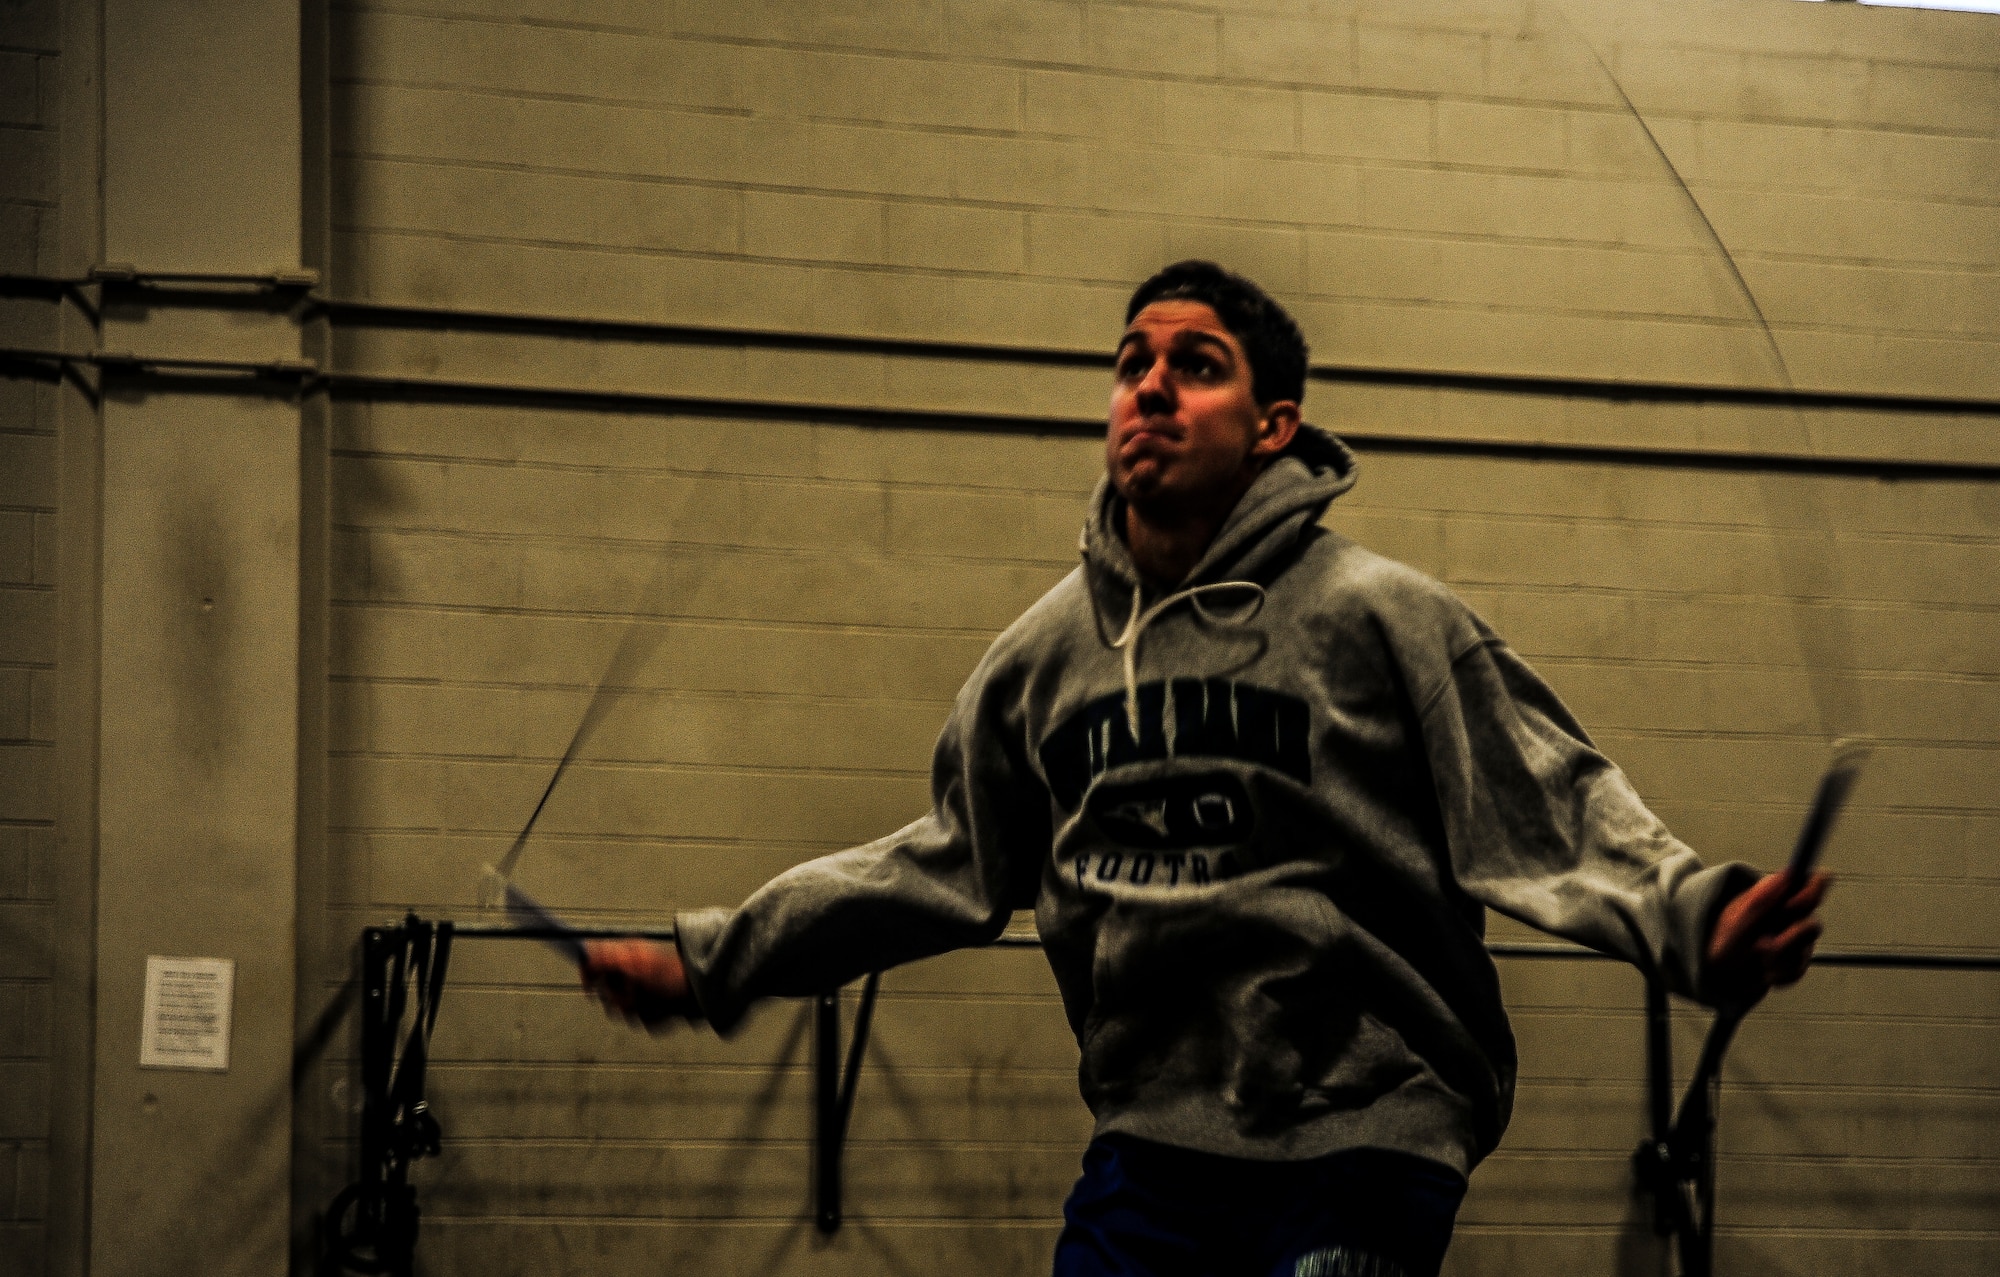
1148,434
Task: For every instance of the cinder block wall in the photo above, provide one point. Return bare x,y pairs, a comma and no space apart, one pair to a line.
1469,188
28,98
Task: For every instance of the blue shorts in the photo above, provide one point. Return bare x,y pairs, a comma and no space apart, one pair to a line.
1149,1210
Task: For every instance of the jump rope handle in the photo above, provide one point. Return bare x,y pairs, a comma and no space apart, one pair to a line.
1831,796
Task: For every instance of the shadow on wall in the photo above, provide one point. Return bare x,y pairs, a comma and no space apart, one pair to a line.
362,493
196,549
1642,1252
534,1162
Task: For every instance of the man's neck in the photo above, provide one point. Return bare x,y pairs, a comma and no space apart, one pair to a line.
1165,552
1167,543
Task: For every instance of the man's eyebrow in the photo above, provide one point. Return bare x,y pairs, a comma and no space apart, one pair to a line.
1189,335
1182,338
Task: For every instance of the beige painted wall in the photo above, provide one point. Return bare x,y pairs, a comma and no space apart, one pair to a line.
1458,186
200,580
830,532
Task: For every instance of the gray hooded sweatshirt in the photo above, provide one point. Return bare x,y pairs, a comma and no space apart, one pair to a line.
1259,819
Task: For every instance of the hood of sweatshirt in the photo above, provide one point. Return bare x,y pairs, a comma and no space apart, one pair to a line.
1290,495
1268,521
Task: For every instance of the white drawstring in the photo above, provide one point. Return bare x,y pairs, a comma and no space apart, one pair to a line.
1129,640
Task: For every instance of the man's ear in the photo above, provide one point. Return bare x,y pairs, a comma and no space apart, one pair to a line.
1277,422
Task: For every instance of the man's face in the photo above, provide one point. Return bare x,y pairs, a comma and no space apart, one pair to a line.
1187,435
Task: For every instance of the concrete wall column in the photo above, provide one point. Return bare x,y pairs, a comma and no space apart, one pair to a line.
199,638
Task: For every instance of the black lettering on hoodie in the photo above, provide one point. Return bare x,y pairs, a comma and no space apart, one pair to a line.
1211,718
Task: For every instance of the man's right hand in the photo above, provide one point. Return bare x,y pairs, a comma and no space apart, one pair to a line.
1764,938
639,981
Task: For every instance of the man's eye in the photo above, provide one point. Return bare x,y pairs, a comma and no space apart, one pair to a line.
1199,366
1132,368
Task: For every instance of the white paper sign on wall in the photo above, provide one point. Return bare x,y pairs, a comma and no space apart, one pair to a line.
186,1024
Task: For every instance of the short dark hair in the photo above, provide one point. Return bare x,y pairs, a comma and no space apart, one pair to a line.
1276,347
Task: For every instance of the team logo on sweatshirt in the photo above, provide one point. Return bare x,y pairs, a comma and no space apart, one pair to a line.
1170,812
1174,830
1179,718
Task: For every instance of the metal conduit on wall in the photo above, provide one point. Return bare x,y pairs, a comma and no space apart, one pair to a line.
702,381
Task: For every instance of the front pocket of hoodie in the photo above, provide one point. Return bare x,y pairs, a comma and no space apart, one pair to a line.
1314,1048
1245,1003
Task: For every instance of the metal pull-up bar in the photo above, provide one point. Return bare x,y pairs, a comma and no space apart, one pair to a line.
371,1226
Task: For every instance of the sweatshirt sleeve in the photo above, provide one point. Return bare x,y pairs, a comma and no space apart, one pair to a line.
1546,830
947,880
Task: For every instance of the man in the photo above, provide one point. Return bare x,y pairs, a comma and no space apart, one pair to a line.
1259,786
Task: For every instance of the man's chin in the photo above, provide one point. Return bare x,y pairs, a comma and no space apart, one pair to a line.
1160,494
1143,485
1157,502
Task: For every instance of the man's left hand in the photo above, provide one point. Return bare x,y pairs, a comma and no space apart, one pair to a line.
640,980
1764,938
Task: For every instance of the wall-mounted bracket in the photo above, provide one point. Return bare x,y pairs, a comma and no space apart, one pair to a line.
285,376
833,1094
371,1226
1676,1163
292,279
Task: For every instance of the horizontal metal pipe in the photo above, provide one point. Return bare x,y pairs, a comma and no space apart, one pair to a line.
383,315
560,933
1911,961
377,314
1499,949
170,373
419,389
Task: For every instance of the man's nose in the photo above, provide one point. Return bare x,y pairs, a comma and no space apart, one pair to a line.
1156,389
